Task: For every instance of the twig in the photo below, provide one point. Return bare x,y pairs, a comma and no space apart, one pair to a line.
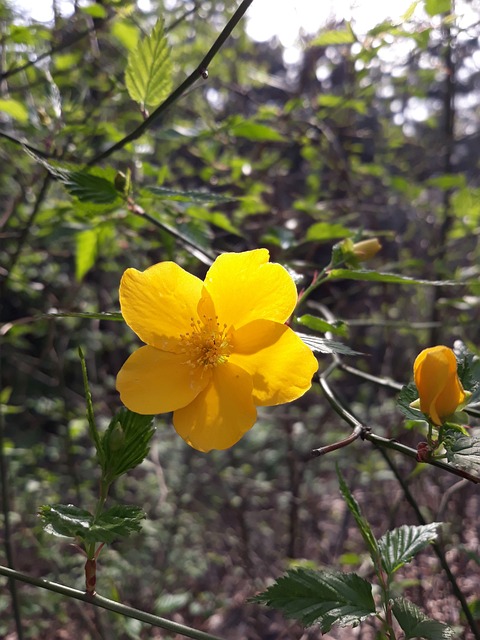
110,605
200,72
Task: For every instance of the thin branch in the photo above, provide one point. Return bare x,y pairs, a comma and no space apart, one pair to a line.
110,605
200,72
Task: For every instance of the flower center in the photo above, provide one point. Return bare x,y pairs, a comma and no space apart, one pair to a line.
207,344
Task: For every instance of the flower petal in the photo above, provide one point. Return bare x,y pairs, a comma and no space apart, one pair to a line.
153,381
245,287
221,414
160,303
440,390
280,363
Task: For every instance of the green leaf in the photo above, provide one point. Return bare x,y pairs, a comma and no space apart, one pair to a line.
254,131
15,109
322,597
398,547
415,624
407,395
376,276
66,520
149,69
362,523
125,443
462,451
96,186
200,197
322,345
336,36
325,231
86,249
117,522
318,324
434,7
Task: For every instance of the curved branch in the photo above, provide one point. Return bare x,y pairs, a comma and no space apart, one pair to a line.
110,605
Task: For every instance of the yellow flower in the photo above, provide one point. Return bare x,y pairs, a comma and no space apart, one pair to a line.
215,350
439,389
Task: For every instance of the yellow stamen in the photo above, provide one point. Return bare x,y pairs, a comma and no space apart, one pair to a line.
208,344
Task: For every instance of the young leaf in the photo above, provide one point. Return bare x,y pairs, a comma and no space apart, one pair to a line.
318,324
149,69
322,597
362,523
125,443
66,520
415,624
398,547
86,249
117,522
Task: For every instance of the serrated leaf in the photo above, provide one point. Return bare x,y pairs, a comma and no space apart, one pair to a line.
462,451
125,443
66,520
407,395
95,186
398,547
201,197
322,345
362,523
415,624
322,597
117,522
377,276
323,231
149,69
318,324
72,522
86,249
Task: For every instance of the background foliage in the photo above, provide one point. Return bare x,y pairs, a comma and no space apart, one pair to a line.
364,132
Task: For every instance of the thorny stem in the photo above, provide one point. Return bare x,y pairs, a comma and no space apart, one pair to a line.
200,72
110,605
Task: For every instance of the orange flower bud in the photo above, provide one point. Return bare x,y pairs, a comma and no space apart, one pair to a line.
366,249
439,388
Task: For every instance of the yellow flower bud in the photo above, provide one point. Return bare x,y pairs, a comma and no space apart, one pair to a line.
439,388
366,249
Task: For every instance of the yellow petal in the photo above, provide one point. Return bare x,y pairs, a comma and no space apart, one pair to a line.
221,414
160,303
153,381
439,389
280,363
245,287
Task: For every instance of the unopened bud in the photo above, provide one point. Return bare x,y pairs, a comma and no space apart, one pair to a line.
366,249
